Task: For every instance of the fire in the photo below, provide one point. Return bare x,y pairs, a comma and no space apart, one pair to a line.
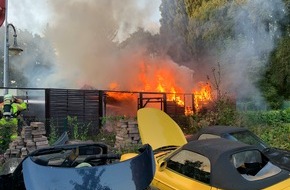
153,79
202,96
118,95
164,77
167,85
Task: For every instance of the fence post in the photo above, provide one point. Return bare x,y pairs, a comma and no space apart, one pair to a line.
47,111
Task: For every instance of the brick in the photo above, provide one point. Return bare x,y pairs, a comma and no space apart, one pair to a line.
43,138
41,143
41,132
36,124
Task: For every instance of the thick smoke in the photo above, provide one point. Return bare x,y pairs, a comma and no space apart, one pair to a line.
245,57
86,35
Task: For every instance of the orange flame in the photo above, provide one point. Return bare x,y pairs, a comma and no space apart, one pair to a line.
118,95
163,78
153,80
202,96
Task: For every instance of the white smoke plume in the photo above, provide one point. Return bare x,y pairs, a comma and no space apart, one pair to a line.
244,58
84,34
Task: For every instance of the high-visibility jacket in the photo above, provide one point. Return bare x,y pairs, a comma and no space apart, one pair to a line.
16,108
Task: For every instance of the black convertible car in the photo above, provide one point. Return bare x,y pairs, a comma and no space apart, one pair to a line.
278,156
81,166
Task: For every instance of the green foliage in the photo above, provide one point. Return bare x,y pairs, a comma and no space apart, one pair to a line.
149,41
79,131
174,21
106,137
226,111
52,135
219,112
272,117
6,131
276,81
201,29
277,135
272,126
198,25
203,10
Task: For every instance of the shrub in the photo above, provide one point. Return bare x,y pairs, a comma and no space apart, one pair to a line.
6,132
219,112
272,117
106,137
275,135
79,131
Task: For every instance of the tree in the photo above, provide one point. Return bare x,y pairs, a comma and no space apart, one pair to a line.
173,30
240,34
149,42
275,83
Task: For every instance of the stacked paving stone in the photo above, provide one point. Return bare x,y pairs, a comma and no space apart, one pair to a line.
32,138
127,133
38,132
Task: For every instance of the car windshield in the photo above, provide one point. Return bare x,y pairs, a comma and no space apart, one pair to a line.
248,138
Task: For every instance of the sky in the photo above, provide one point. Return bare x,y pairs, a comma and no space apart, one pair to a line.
35,15
31,15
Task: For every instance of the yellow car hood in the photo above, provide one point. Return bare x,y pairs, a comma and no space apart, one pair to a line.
158,129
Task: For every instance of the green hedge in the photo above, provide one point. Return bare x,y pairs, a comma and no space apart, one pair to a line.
265,117
276,136
272,126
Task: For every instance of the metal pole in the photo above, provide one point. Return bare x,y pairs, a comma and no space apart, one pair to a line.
6,56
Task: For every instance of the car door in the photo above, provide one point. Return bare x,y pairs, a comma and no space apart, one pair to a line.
185,170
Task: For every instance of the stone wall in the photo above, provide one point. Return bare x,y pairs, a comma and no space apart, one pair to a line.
32,138
127,134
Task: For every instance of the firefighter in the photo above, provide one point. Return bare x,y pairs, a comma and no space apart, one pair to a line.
9,122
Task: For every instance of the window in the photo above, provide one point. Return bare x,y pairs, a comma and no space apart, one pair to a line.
248,138
252,165
191,164
208,136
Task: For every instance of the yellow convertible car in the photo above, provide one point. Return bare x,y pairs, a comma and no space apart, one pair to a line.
209,164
